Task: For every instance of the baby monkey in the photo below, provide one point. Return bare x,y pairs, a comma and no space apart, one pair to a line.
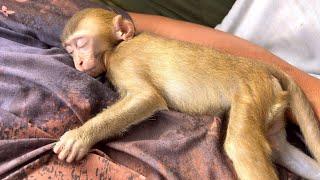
152,73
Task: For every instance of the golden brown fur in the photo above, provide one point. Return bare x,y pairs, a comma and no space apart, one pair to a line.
153,73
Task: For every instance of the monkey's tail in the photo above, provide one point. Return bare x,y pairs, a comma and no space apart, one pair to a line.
302,111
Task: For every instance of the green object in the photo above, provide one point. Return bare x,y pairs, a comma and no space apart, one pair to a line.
205,12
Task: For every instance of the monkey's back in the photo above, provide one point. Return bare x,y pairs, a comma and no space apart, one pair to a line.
181,72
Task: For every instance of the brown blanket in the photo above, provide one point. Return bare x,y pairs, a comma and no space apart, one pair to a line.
42,96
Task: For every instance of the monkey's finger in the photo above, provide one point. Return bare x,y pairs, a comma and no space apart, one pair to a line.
74,152
58,147
82,152
66,150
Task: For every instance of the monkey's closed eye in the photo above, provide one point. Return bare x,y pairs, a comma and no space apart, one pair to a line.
81,42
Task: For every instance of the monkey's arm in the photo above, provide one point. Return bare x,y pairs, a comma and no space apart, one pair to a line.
228,43
132,108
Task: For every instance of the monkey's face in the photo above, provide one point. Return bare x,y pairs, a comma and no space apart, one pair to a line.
90,38
87,52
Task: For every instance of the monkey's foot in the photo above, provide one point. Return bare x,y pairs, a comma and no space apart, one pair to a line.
73,145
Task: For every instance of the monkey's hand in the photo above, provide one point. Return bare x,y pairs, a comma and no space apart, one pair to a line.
73,145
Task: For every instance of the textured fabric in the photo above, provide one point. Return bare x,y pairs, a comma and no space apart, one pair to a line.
42,96
289,29
206,12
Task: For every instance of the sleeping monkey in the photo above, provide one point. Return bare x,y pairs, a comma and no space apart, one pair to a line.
152,73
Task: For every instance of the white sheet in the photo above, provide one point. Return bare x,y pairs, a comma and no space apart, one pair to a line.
288,28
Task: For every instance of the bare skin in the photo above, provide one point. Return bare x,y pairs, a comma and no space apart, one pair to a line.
152,74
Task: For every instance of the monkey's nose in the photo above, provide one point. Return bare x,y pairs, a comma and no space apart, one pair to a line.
81,63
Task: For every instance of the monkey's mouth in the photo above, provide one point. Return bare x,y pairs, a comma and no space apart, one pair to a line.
93,72
90,72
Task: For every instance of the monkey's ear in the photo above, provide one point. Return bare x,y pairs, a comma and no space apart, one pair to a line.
123,28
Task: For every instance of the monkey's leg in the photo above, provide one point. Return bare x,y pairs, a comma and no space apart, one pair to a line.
131,109
292,158
246,144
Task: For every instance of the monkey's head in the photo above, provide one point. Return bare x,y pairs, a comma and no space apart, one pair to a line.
90,37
